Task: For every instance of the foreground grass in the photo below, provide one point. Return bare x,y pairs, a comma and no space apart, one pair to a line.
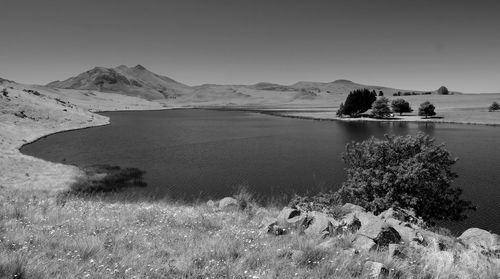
42,236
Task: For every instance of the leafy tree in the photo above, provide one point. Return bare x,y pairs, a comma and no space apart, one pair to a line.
381,93
400,106
341,109
409,172
443,91
381,108
358,101
494,106
426,109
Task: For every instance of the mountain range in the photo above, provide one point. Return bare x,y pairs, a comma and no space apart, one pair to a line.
140,82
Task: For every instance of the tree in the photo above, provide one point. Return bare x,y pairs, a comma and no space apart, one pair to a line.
381,93
400,106
426,109
443,91
494,106
409,172
340,110
358,101
381,108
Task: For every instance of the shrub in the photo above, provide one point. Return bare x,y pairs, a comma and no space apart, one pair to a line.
381,108
400,106
494,106
409,172
358,101
443,90
381,93
426,109
105,178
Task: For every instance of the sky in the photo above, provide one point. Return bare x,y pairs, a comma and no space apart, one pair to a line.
405,44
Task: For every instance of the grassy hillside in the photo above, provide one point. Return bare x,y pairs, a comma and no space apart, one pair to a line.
117,236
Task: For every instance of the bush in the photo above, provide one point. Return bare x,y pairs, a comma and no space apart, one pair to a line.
105,178
443,90
381,108
358,101
426,109
408,172
494,106
400,106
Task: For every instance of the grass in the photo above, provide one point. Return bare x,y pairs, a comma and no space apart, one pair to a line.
112,237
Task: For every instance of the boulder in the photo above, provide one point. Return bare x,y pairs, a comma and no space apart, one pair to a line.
290,218
349,208
479,238
228,203
350,223
270,226
374,270
363,243
318,224
396,251
404,216
381,233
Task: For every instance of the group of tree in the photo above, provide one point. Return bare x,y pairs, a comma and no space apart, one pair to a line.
360,101
357,102
494,106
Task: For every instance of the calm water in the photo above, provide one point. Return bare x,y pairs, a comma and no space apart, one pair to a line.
207,154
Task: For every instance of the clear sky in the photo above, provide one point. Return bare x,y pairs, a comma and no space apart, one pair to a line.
399,43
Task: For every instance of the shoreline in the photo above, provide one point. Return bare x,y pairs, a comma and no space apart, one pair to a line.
284,113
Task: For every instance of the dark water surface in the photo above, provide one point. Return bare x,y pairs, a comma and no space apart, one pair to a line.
203,153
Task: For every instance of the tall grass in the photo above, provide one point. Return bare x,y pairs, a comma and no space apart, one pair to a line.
104,237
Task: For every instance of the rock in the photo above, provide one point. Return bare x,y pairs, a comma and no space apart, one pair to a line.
318,224
381,233
349,207
479,238
404,216
270,226
386,236
290,218
396,251
228,203
363,243
374,270
350,223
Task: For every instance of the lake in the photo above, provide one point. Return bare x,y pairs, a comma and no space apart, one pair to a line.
206,154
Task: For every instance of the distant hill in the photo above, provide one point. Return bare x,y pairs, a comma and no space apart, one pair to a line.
2,80
135,81
343,86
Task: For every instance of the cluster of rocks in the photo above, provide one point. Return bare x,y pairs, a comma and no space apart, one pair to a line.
394,230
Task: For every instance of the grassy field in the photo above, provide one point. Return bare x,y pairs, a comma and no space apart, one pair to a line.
463,108
43,235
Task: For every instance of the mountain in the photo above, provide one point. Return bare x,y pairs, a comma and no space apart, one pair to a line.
135,81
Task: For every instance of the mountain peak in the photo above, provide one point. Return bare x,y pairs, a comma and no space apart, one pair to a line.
139,67
135,81
342,81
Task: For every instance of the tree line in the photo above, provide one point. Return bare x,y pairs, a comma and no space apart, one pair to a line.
361,100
